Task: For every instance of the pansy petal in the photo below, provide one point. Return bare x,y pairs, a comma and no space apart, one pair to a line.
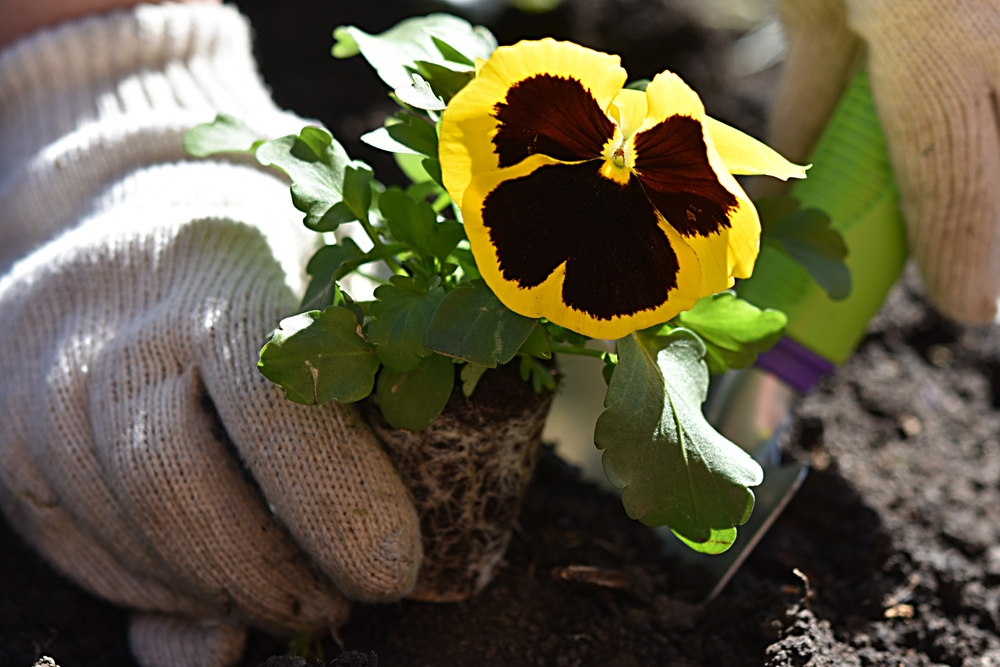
629,110
738,244
542,96
563,242
713,255
744,237
745,155
667,95
743,244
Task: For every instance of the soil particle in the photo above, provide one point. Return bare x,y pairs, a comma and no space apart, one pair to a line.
809,641
345,659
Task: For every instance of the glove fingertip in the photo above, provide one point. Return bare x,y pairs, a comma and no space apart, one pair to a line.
161,640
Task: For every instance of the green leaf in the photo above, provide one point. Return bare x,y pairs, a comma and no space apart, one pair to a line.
344,300
444,81
638,84
323,268
475,43
562,335
608,370
358,189
413,400
225,134
537,343
451,54
419,94
446,238
734,331
319,356
540,376
806,235
673,468
315,162
472,324
410,222
719,541
536,6
412,165
382,140
433,169
402,314
773,210
421,191
405,133
467,262
471,374
344,45
395,52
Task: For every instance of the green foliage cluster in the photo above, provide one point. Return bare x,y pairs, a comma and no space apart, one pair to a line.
807,237
434,318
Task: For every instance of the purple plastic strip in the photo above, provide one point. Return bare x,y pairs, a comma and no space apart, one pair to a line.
799,367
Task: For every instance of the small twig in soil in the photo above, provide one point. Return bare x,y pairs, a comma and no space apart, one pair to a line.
902,594
596,576
805,583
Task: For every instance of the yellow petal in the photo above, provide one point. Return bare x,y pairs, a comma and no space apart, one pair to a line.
743,236
629,110
667,95
468,125
547,298
731,253
713,255
745,155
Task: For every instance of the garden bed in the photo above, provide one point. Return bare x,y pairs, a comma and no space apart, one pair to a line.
895,529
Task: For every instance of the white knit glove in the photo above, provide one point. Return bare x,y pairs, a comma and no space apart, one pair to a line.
141,452
933,66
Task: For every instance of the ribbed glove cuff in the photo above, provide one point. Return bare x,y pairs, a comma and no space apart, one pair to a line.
168,61
86,104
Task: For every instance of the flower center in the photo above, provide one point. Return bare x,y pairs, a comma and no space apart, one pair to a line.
618,160
619,157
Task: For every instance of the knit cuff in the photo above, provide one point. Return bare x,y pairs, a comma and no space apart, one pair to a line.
170,63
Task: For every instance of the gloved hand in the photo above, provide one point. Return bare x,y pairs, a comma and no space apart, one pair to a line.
129,396
141,452
933,67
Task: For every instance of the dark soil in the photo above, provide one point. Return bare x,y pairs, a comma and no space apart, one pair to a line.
895,529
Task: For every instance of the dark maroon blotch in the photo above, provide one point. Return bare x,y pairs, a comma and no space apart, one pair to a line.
618,260
672,165
550,115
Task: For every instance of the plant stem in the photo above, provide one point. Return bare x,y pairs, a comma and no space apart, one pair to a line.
386,256
582,351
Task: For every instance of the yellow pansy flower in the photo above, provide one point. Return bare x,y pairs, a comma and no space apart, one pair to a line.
603,209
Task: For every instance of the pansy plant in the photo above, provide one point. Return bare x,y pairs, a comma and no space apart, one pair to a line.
551,204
